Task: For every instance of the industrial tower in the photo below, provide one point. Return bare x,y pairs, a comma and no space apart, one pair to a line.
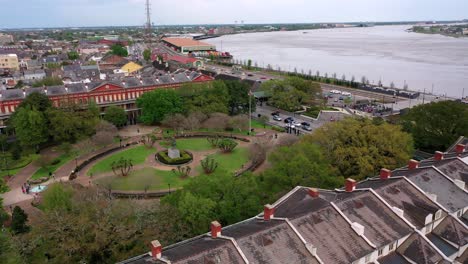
149,33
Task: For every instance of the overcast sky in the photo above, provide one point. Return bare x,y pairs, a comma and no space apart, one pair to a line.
67,13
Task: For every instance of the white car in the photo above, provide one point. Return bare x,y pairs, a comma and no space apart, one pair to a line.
277,118
335,92
346,94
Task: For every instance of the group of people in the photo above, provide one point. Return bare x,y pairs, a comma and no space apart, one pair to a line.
25,188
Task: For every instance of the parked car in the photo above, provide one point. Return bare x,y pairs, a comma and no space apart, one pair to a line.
250,75
277,118
289,120
296,123
277,113
306,126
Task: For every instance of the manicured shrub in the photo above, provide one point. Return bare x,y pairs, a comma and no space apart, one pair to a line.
163,157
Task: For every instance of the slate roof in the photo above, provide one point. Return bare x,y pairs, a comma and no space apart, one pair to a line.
455,169
382,225
417,249
130,82
400,193
393,258
442,245
269,242
452,230
323,226
450,196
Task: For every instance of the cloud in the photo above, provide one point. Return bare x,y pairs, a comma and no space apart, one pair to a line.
41,13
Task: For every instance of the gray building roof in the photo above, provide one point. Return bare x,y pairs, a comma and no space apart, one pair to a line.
418,250
269,242
323,226
381,225
450,196
400,193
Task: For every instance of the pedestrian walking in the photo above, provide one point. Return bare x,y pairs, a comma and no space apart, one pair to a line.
22,189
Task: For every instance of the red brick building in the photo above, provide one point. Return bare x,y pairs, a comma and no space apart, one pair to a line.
122,93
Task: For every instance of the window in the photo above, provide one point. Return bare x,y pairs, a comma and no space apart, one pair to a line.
390,248
438,214
381,251
460,213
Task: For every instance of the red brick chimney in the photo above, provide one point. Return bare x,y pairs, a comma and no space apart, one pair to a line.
460,148
314,193
215,229
268,212
156,249
385,174
413,164
438,155
350,185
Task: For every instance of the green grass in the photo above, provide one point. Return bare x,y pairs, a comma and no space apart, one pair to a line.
257,124
145,178
193,144
64,158
137,154
230,162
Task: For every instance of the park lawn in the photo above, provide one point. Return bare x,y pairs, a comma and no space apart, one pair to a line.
257,124
138,155
229,162
192,144
41,172
138,180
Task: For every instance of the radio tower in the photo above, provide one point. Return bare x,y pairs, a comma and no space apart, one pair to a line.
149,33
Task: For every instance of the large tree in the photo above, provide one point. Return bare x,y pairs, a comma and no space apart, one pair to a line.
156,105
31,127
436,126
19,220
291,93
38,101
111,229
239,97
66,125
219,196
116,115
207,98
119,50
48,81
359,148
299,164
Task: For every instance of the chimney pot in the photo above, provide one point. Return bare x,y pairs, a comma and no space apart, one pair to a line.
460,148
350,185
385,174
268,212
156,249
413,164
215,229
439,155
313,192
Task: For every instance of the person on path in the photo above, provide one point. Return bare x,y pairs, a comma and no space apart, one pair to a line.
22,189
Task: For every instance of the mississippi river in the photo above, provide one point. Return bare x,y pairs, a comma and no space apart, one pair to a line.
387,53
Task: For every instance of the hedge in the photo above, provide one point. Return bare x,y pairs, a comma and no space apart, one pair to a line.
163,157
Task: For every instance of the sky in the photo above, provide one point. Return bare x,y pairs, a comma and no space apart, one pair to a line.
75,13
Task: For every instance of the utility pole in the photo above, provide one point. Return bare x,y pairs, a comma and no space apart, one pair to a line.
149,33
424,95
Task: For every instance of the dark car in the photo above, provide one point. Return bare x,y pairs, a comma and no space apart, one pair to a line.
250,75
289,120
306,126
276,113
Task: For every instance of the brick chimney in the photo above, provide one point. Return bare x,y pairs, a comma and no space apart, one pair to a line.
438,155
460,148
413,164
350,185
385,174
314,193
268,212
156,249
215,229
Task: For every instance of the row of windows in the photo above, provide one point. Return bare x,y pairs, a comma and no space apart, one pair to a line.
98,99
